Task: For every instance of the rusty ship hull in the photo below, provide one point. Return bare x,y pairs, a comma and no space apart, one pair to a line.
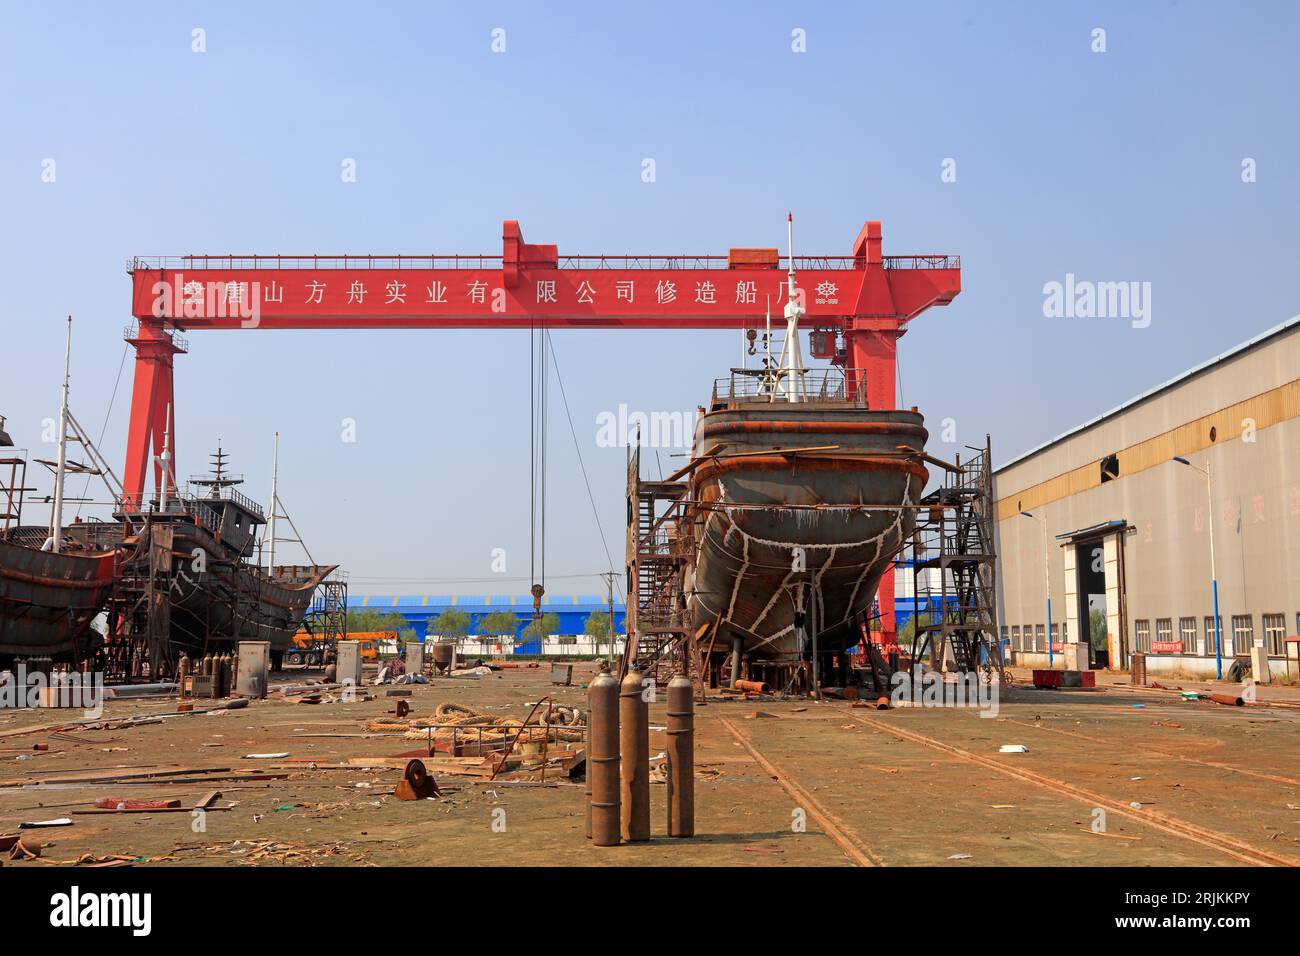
827,478
48,600
216,597
237,600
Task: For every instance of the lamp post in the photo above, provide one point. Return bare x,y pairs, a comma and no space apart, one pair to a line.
1214,577
1047,587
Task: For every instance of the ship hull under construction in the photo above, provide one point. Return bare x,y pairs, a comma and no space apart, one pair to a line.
799,494
231,598
48,600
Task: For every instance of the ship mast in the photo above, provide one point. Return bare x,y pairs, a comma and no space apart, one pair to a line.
792,365
165,460
61,468
270,527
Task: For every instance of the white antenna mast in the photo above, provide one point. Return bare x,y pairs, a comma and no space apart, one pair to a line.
61,468
794,311
165,460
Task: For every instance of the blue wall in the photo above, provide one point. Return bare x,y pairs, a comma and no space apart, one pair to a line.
421,610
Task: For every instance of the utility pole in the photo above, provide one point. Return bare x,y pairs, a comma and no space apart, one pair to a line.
1214,575
1047,587
609,583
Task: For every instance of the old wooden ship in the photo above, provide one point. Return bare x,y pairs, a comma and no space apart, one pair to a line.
51,588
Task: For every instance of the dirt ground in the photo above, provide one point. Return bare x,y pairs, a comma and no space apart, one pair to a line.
1214,785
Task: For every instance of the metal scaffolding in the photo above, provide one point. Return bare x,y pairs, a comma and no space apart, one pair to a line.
658,551
954,569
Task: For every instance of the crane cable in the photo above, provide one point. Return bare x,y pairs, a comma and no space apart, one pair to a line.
537,379
559,380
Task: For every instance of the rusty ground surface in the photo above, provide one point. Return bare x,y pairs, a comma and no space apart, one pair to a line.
1215,785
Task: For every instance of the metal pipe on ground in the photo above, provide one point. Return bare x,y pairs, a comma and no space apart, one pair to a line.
603,759
634,735
681,757
142,690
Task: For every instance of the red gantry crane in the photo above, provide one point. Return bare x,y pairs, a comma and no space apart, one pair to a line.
866,299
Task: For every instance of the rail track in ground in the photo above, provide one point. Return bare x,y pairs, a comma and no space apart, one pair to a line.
861,853
1214,839
1272,777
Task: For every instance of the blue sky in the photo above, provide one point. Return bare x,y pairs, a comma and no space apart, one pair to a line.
1115,166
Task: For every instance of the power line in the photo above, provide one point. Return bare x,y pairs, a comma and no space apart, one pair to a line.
581,464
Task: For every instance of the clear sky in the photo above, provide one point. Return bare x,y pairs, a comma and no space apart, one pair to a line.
1122,165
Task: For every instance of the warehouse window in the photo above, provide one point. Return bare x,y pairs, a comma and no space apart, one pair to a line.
1143,631
1109,468
1065,631
1015,638
1164,635
1209,636
1187,631
1056,633
1275,634
1040,643
1243,633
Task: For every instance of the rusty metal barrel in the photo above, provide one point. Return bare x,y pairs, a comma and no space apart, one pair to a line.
443,652
603,758
1138,669
681,757
634,725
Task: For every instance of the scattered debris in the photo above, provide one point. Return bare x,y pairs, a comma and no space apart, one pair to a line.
416,784
121,803
25,849
1013,749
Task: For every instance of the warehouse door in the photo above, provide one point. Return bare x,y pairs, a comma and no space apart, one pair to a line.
1095,592
1090,562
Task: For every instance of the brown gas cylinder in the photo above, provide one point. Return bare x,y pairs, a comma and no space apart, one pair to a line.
681,757
603,758
634,734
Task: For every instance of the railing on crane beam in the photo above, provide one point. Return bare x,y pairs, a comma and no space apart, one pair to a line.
571,262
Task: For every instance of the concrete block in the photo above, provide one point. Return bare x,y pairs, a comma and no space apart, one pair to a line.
348,669
1074,657
253,669
1259,664
415,657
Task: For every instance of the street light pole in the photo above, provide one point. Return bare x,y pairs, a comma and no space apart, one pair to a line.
1047,588
1214,576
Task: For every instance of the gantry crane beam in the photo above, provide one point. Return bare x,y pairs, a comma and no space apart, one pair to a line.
866,297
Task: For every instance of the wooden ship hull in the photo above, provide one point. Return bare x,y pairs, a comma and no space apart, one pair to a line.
232,598
184,586
831,479
48,600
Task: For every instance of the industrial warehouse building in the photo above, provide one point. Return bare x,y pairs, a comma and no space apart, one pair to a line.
421,613
1126,529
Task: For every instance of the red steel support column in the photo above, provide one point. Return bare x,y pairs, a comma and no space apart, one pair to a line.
151,394
876,351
